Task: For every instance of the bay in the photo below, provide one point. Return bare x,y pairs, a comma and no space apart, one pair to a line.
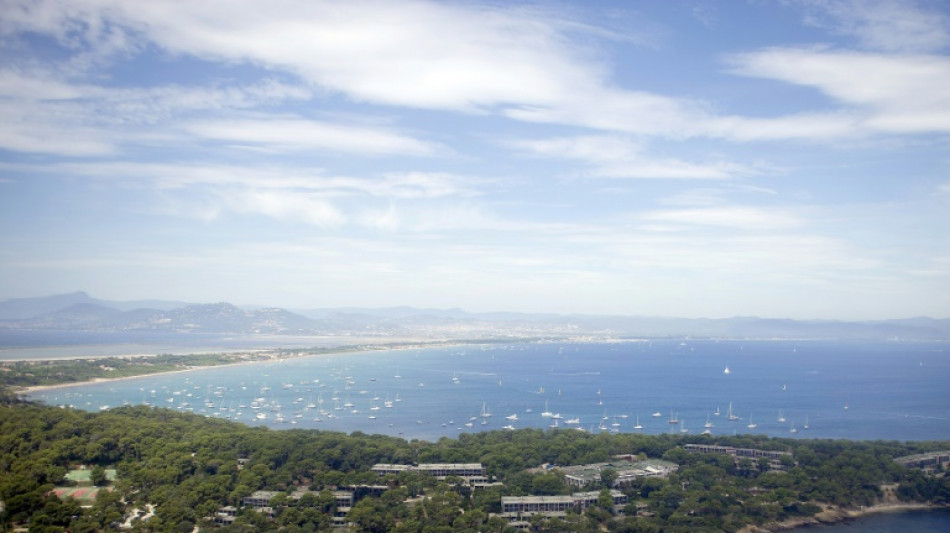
848,390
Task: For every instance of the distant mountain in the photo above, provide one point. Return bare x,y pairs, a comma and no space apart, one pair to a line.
80,312
19,308
202,318
766,328
30,307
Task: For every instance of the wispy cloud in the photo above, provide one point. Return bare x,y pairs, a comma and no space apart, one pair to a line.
885,25
895,94
738,217
417,54
169,176
46,113
297,134
286,193
518,63
617,157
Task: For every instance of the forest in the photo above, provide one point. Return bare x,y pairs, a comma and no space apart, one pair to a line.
175,470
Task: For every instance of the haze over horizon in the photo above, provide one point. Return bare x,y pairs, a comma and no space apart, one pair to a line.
684,159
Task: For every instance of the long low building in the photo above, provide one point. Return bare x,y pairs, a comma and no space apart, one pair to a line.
469,471
931,460
519,507
735,452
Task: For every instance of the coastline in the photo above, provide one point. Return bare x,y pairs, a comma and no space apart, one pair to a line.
834,515
40,388
336,352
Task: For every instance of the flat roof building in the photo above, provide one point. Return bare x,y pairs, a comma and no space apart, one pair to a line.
439,470
516,508
774,457
471,472
627,471
930,460
260,498
735,452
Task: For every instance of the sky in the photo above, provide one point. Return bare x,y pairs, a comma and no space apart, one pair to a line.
684,158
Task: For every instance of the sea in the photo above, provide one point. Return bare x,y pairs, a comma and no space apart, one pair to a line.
799,389
937,521
859,390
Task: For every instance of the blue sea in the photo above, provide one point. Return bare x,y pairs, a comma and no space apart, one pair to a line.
797,389
910,522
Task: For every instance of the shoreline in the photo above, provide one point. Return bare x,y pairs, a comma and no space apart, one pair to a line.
336,352
836,515
260,343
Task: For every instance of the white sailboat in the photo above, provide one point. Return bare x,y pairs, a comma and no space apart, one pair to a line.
752,425
781,416
708,424
547,413
730,415
638,426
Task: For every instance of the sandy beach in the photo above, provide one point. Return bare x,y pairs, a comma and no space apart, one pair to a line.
285,355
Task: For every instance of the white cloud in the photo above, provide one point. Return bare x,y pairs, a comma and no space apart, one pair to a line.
617,157
417,54
208,192
738,217
886,25
884,93
170,176
516,62
43,112
435,220
284,205
411,185
50,133
296,134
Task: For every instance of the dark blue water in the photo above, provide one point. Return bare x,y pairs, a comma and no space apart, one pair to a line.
909,522
852,390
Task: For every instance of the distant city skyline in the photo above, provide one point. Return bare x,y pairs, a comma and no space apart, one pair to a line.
783,159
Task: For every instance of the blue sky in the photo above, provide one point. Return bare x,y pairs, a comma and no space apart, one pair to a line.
678,158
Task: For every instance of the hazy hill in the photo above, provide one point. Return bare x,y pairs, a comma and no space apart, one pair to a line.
19,308
80,312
